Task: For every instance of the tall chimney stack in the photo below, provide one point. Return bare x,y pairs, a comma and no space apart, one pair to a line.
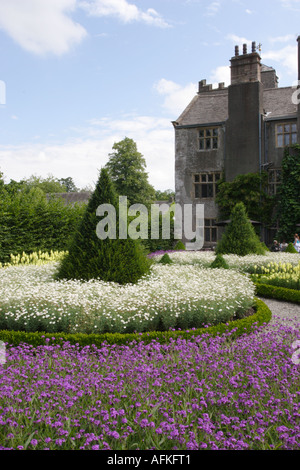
298,57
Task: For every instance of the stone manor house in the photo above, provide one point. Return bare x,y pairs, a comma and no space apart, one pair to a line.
231,131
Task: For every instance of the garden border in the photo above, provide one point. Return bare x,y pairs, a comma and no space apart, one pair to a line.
236,328
278,293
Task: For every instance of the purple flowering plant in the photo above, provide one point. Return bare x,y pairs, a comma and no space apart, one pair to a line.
209,393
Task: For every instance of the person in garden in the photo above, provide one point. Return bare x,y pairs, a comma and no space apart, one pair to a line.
297,242
283,245
275,246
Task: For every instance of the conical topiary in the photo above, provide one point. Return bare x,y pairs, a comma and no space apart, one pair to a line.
219,262
179,246
239,237
165,259
290,248
91,257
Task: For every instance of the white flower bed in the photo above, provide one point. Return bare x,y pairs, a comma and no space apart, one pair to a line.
172,296
249,263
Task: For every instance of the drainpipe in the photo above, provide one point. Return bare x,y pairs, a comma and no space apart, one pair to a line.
260,163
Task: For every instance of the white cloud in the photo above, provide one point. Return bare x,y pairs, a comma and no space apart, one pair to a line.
126,12
177,97
213,8
238,40
221,74
286,57
286,38
82,158
41,26
291,4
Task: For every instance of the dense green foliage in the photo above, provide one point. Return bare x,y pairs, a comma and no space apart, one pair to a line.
219,262
290,248
127,169
179,246
90,257
279,293
156,244
251,189
238,327
164,195
30,222
239,237
165,259
288,209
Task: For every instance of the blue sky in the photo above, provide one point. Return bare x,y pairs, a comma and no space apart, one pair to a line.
76,76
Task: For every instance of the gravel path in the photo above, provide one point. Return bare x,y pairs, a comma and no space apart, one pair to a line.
282,312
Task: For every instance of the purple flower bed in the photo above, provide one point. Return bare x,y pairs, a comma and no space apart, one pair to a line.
211,393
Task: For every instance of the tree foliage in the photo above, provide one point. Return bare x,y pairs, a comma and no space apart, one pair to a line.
288,209
251,189
127,169
166,195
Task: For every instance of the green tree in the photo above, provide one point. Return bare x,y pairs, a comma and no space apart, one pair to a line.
69,184
164,195
47,185
90,257
127,169
288,208
1,182
251,189
239,237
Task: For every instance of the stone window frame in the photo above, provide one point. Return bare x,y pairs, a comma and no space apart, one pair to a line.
285,134
210,231
208,138
205,184
274,180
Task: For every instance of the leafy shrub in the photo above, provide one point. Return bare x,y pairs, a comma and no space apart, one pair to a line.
179,246
165,259
290,248
219,262
90,257
279,293
239,237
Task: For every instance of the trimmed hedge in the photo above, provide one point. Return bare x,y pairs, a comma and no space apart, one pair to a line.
279,293
238,327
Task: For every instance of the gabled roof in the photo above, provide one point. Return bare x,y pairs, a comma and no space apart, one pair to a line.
210,107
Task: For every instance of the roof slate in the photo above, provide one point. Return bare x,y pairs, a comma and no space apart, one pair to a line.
212,106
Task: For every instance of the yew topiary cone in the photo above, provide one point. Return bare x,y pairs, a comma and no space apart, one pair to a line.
111,260
239,237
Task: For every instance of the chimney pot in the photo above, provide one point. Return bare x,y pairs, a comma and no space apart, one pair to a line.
253,46
237,52
244,48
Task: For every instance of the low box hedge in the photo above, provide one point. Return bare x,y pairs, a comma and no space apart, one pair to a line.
237,328
278,293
